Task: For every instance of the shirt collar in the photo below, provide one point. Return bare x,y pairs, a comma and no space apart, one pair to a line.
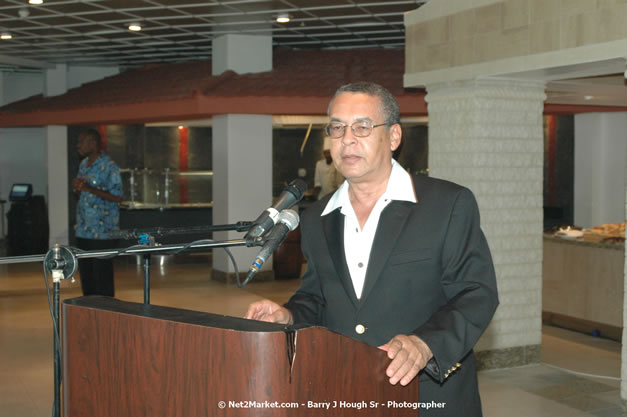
400,187
101,157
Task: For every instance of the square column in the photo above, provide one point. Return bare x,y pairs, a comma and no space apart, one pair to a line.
242,185
57,163
58,184
600,148
487,135
241,53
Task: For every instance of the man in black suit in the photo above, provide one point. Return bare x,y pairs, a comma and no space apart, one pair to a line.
394,260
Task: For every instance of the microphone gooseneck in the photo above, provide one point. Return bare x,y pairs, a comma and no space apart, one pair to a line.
287,220
292,194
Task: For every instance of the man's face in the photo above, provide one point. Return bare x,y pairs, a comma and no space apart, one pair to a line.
362,159
85,145
327,156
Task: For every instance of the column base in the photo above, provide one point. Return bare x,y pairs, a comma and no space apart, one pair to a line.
507,358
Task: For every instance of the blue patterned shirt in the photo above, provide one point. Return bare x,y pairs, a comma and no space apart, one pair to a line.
96,217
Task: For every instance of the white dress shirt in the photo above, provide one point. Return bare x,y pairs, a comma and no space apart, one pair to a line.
358,241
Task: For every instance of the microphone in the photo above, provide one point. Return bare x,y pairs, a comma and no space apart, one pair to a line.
286,222
292,194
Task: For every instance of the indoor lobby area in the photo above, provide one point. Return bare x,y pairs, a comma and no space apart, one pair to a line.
130,120
578,375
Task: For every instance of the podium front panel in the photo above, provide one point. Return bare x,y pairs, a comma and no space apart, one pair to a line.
129,359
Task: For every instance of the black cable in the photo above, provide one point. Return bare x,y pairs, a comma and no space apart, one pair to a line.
228,252
182,249
55,325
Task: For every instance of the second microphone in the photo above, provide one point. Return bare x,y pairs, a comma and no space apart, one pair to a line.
286,222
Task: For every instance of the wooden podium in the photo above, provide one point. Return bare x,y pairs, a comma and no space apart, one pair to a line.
124,359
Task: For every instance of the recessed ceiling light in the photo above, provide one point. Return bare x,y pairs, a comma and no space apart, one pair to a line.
35,1
135,27
283,18
588,97
5,36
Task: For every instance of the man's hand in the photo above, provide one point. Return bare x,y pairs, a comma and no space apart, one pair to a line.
266,310
84,187
409,356
78,184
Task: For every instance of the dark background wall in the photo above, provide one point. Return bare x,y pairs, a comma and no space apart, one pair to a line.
149,150
413,153
125,144
286,157
559,169
200,144
287,160
156,148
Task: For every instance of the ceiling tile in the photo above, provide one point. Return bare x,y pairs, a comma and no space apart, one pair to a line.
97,29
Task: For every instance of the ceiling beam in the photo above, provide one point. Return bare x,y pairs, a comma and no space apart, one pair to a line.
24,63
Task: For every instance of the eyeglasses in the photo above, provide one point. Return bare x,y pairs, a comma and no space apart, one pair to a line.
361,129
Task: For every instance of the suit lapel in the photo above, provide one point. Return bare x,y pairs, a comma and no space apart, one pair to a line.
391,225
333,224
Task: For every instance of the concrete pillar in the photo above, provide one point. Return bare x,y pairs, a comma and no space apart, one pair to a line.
242,184
487,135
241,53
57,163
600,147
58,188
242,155
55,82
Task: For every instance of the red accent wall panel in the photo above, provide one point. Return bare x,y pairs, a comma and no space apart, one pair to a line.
102,129
183,163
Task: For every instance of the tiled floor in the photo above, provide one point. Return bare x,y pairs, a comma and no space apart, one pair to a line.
26,378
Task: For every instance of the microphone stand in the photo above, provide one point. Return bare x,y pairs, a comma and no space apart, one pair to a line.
147,258
60,260
56,412
146,237
60,263
132,250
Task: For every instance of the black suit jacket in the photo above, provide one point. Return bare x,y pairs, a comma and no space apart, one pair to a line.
430,273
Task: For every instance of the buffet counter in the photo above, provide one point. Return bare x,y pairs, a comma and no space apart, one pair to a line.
131,205
582,283
146,216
